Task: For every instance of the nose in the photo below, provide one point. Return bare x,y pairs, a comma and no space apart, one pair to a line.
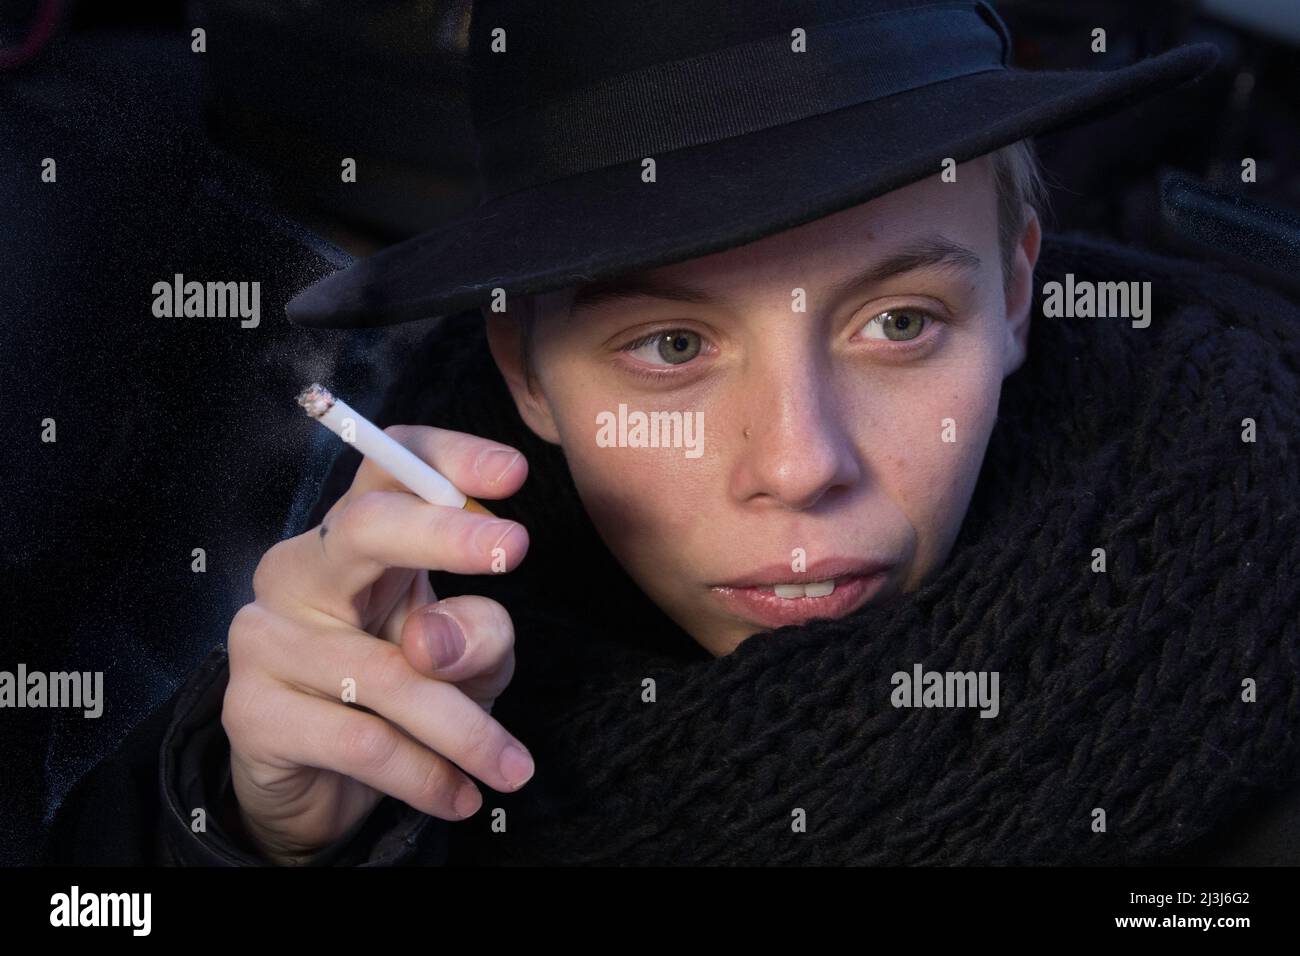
798,449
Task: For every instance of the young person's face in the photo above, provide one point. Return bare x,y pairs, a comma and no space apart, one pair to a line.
850,432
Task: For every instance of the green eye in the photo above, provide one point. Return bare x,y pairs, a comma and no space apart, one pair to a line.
675,346
679,346
898,325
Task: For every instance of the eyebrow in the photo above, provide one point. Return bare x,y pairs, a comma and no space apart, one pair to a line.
932,251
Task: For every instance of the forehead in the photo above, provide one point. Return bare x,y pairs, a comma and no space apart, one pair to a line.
825,249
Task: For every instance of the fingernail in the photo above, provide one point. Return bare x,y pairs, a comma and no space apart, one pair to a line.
516,765
445,638
489,537
493,463
468,800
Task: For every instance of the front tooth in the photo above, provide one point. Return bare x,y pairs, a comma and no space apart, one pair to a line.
812,589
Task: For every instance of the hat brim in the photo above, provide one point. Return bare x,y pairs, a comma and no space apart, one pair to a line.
719,195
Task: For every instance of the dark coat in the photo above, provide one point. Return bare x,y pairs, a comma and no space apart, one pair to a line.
135,806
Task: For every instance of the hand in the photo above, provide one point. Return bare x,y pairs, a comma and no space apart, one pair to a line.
347,608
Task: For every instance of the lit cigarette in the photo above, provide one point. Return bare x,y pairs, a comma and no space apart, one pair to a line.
392,456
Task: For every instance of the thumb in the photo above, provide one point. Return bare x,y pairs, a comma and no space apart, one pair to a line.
432,639
467,640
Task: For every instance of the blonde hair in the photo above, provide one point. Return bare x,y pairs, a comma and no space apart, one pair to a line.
1018,180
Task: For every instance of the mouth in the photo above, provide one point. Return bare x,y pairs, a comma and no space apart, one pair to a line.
824,592
812,589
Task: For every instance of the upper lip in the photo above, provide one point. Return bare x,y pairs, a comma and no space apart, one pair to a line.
825,569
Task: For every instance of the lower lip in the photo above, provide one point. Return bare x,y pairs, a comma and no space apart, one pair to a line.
765,608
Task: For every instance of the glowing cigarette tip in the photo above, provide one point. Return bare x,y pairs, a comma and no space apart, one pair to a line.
316,399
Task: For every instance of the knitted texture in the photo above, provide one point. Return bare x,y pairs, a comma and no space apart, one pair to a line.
1119,690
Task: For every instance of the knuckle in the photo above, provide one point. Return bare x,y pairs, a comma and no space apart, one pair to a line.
238,717
386,670
232,713
437,786
466,535
367,743
339,505
251,626
362,511
270,569
479,739
435,521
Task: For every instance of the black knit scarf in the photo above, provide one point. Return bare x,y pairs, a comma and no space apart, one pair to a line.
1119,691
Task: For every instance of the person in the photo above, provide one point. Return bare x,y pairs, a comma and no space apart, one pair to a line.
902,571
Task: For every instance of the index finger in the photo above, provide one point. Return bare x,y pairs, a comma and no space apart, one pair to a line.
372,534
479,467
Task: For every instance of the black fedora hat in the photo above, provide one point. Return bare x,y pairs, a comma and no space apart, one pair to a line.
759,115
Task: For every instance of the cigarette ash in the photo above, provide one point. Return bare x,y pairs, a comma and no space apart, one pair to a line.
316,399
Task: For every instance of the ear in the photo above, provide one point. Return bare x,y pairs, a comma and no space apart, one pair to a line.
1020,294
505,342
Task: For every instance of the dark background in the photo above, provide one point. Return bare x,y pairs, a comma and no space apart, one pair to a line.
175,434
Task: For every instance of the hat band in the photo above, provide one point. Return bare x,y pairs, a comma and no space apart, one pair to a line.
739,89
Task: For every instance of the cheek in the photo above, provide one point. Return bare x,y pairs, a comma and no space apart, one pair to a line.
623,489
936,454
